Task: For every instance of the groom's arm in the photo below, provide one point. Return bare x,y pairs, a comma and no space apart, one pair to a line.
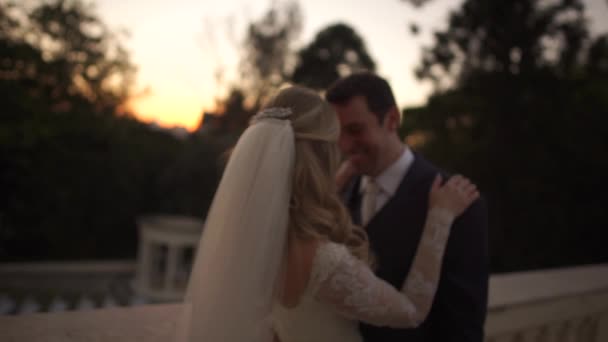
460,306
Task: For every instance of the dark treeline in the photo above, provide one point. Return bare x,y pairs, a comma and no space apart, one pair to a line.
520,105
76,167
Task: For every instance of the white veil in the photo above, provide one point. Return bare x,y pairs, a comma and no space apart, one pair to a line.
231,288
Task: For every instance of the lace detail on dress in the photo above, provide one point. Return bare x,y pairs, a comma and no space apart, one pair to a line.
438,224
419,285
327,258
349,286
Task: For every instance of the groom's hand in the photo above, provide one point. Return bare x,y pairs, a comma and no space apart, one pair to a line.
345,174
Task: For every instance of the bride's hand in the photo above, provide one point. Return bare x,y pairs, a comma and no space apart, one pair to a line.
456,195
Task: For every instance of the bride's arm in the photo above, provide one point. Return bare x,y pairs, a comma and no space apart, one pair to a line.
353,290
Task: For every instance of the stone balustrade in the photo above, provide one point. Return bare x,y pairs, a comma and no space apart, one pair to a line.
563,305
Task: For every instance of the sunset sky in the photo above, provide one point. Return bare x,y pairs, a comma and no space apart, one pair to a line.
178,45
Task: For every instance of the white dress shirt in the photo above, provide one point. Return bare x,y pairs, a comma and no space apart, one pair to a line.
388,181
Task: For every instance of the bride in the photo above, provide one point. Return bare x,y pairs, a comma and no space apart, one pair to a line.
280,259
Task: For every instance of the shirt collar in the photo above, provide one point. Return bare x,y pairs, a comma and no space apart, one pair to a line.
388,180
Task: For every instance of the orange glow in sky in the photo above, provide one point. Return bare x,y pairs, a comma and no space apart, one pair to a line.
179,45
169,110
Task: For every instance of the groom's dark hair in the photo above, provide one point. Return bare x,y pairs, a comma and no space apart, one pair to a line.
375,89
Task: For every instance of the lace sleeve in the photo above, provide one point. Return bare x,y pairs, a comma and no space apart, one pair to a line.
341,280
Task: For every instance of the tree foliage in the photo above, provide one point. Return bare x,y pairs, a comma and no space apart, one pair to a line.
270,60
336,51
521,105
62,56
267,59
75,169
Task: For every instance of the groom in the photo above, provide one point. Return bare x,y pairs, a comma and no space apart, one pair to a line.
389,197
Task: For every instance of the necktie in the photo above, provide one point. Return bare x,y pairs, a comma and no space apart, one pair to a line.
368,207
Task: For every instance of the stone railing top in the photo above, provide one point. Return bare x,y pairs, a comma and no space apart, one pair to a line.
532,286
60,267
171,223
148,323
505,289
157,322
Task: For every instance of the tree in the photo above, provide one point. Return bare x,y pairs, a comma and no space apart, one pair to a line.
74,172
335,52
510,37
224,127
521,106
266,63
65,56
268,55
417,3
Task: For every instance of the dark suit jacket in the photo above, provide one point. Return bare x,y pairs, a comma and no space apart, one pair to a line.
459,308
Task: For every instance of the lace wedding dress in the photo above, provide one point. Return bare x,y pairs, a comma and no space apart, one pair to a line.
231,291
343,291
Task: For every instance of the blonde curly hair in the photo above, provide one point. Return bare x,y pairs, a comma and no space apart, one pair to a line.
316,210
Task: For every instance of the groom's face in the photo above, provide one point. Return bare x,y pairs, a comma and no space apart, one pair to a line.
362,135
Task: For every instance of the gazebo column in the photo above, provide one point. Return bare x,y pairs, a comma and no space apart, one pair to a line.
164,239
144,267
171,270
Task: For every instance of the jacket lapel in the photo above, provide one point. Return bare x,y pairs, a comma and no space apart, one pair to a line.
410,189
352,198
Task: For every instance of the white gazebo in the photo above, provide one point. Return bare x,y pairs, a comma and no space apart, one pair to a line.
167,246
